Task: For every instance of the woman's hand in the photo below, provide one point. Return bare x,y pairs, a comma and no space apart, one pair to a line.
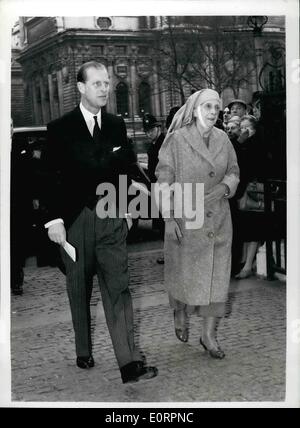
172,230
215,193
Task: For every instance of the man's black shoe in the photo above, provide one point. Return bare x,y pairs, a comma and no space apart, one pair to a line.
135,371
85,362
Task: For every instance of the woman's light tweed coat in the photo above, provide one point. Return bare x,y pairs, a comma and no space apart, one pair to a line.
197,271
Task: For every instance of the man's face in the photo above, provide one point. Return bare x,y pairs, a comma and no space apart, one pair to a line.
153,133
233,129
94,91
238,109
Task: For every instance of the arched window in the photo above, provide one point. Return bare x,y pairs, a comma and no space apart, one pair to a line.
122,99
144,98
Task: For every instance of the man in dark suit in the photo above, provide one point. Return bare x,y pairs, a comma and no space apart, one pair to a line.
86,147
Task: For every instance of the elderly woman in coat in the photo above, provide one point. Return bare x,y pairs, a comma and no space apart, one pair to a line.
198,260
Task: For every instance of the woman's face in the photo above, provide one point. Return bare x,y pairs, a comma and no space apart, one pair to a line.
247,126
208,113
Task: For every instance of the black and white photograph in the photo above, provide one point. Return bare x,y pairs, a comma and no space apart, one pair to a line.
149,205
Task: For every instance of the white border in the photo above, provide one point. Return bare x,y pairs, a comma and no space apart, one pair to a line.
9,12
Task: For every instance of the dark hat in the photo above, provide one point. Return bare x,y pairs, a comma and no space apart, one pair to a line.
237,101
150,122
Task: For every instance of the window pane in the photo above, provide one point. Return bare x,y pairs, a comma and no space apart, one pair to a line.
122,99
120,50
144,98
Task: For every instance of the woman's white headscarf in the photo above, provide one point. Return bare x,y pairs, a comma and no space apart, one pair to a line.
185,114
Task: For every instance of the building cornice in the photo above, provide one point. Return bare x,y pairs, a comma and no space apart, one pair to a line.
71,35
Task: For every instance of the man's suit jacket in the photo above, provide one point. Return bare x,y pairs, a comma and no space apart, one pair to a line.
75,164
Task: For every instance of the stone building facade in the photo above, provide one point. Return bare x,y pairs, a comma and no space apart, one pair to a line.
51,50
17,83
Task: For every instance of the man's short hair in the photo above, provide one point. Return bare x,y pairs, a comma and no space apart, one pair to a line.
81,75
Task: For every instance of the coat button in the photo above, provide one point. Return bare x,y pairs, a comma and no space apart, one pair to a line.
212,174
211,234
209,214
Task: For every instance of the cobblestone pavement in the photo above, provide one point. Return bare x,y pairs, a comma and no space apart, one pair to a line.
252,335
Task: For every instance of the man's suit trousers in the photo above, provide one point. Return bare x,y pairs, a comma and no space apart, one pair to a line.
100,248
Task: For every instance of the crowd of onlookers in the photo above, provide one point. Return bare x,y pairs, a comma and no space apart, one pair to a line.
242,124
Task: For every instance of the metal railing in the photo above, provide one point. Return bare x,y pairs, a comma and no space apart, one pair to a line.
275,210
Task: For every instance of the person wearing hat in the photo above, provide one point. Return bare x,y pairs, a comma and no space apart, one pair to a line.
152,128
233,130
237,107
252,223
198,259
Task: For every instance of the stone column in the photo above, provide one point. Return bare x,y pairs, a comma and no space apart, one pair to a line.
133,89
23,40
164,110
60,92
51,101
156,92
157,22
35,106
111,102
43,100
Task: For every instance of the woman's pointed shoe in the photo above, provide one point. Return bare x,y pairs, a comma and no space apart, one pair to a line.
181,333
214,353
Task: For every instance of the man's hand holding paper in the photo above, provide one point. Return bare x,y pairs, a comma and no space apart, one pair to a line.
57,233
